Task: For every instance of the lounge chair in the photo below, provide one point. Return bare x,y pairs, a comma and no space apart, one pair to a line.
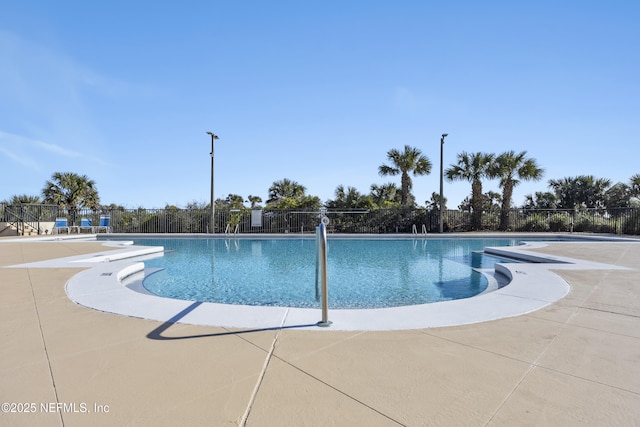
105,223
85,224
61,223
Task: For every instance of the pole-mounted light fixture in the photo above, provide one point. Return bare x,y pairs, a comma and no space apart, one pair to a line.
441,203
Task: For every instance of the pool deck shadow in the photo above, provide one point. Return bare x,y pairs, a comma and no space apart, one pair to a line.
574,362
156,334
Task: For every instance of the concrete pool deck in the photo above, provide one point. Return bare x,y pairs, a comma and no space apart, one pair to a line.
574,362
101,287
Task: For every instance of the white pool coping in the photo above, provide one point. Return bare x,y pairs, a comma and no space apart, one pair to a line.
532,286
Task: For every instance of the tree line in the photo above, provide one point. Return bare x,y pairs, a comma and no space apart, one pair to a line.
73,192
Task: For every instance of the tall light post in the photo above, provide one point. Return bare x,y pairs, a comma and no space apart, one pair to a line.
441,203
213,206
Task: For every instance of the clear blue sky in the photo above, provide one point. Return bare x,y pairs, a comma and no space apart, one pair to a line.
317,92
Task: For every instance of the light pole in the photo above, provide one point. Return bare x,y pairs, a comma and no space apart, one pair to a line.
213,206
441,203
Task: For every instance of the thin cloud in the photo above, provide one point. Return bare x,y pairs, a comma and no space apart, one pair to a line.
53,148
15,148
39,77
49,93
25,151
20,159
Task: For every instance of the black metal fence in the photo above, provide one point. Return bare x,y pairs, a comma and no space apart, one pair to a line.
27,217
174,220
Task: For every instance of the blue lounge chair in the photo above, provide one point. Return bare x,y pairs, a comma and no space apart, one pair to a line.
105,223
61,223
85,224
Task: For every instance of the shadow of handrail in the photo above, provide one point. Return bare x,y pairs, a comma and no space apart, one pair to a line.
156,334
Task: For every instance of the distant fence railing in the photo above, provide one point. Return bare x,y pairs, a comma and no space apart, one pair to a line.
378,221
27,218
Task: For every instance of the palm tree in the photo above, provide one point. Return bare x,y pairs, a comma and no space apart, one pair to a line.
20,199
255,201
473,168
491,201
565,192
234,201
288,194
349,198
594,191
342,197
434,203
584,191
410,160
634,184
285,189
512,169
385,195
617,198
72,192
541,200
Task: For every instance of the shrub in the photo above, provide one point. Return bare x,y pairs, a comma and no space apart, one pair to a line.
593,224
490,221
535,223
559,222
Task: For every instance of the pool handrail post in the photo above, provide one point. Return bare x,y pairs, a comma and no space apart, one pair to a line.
322,258
317,263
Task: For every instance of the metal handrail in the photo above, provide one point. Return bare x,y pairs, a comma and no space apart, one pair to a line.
22,218
321,270
31,220
23,215
227,229
12,219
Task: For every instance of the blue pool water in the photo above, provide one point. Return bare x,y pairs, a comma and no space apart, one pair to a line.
362,273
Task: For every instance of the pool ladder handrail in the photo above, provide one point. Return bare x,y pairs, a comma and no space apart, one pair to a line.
227,230
321,271
414,230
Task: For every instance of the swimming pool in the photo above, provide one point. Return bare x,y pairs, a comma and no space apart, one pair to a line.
363,273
